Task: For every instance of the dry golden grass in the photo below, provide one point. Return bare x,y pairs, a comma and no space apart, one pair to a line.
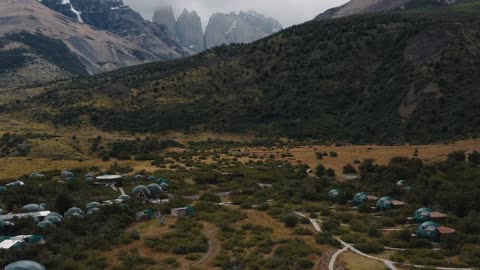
14,167
353,261
348,154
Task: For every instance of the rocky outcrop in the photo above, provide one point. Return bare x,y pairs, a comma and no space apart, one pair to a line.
190,32
164,16
370,6
38,39
244,27
115,17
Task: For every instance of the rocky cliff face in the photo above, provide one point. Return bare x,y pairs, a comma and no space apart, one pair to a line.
164,16
38,44
190,32
244,27
115,17
369,6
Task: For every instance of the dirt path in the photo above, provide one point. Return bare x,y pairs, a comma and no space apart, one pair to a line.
211,233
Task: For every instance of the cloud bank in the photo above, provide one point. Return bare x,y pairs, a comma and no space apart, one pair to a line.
288,12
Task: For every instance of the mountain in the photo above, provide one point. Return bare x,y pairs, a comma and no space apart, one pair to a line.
117,18
390,78
190,31
244,27
40,45
164,16
369,6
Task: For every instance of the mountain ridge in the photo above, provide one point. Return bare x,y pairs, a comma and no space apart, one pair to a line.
388,78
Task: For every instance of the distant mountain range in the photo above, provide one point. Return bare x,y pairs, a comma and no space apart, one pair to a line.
409,76
242,27
47,40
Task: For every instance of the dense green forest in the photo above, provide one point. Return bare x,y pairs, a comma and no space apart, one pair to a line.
398,77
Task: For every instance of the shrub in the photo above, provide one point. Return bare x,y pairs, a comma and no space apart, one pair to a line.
349,169
290,221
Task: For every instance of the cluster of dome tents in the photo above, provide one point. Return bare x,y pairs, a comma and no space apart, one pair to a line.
429,227
152,190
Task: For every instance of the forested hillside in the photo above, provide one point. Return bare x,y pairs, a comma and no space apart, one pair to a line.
409,76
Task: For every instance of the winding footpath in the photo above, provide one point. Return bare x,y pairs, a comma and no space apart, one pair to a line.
347,247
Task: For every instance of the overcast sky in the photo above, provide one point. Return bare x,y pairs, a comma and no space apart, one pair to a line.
288,12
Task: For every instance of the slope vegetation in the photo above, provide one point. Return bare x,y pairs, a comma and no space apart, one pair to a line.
387,78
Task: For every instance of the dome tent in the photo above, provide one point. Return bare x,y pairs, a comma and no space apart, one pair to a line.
429,230
151,178
36,175
142,192
74,212
401,183
89,175
422,215
384,203
92,205
360,198
54,219
138,177
124,198
93,211
90,179
46,225
67,175
2,189
334,193
25,265
155,189
15,184
30,208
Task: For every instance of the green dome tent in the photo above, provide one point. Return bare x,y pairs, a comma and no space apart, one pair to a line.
93,211
334,194
45,225
422,215
36,175
360,198
124,198
54,219
92,205
31,208
74,212
155,189
67,175
142,192
429,230
2,189
385,203
15,184
149,213
25,265
151,178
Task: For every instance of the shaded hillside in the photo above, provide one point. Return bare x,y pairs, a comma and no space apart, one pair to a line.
387,78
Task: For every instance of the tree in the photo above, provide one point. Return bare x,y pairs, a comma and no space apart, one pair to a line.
290,221
63,202
474,158
349,169
320,170
330,172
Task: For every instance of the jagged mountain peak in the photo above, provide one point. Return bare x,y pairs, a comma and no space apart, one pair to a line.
242,27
